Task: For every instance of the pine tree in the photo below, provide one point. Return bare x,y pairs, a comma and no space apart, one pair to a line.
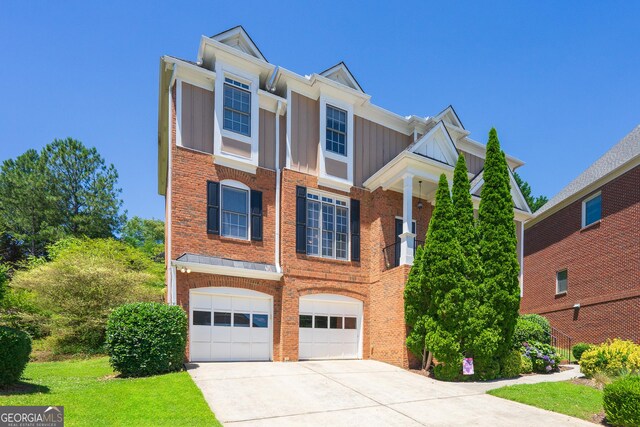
497,248
416,302
443,277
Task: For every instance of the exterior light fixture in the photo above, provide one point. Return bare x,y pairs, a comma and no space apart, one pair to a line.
420,195
188,270
182,270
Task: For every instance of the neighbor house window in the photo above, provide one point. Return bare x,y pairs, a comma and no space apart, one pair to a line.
592,210
235,207
336,139
237,107
327,227
561,282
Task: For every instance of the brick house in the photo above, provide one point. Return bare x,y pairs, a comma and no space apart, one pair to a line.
582,251
293,205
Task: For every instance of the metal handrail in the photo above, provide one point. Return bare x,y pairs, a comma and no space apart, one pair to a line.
392,256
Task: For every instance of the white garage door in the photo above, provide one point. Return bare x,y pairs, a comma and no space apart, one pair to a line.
330,327
230,324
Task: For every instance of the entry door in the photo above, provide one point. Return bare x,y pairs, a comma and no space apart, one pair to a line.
230,327
330,327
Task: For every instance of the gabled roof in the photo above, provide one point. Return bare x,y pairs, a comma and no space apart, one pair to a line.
620,154
238,38
449,115
477,182
436,144
340,73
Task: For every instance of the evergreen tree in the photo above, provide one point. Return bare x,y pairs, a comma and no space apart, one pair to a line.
416,302
534,203
497,248
463,212
444,280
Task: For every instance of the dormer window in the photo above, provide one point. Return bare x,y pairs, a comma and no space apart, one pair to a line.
336,137
237,107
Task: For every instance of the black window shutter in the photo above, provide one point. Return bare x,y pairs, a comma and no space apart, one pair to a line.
256,215
355,230
301,219
213,207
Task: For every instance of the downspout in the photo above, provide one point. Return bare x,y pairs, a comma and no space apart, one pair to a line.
172,293
277,164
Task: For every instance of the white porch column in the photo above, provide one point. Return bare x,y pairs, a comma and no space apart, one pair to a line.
407,237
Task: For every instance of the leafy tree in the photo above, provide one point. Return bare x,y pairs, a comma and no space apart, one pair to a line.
83,282
145,234
85,188
534,203
497,247
444,280
26,207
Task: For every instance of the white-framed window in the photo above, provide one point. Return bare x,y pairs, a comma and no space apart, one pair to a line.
592,209
234,210
237,107
327,226
336,130
562,279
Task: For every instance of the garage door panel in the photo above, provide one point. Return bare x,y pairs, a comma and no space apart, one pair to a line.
306,335
259,351
200,351
259,335
221,351
221,302
241,351
221,334
200,301
242,335
201,333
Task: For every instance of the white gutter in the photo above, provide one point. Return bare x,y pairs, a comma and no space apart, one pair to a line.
224,270
171,288
277,164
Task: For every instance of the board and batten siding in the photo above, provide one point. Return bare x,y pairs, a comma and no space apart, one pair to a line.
374,146
305,133
197,118
474,163
267,140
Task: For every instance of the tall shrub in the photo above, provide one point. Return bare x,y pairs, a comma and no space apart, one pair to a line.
444,280
497,246
15,348
416,302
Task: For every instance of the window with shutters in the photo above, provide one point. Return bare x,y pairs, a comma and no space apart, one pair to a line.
327,226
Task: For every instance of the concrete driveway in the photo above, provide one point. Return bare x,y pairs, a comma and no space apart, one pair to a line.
354,393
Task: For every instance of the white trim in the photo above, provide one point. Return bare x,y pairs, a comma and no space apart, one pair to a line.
227,271
350,78
558,292
521,258
179,112
228,71
326,154
288,130
320,194
241,34
174,292
277,167
451,153
584,208
235,162
230,183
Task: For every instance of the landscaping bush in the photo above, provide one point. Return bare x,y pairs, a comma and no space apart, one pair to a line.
622,402
543,357
527,331
15,348
526,365
544,324
146,338
580,348
611,358
510,367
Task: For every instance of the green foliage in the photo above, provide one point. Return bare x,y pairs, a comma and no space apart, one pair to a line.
147,338
144,234
444,280
16,348
19,310
616,357
497,246
580,348
511,365
83,282
528,331
416,301
4,279
544,324
543,357
534,203
622,402
526,365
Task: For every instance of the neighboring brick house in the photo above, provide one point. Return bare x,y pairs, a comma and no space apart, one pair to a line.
582,251
293,204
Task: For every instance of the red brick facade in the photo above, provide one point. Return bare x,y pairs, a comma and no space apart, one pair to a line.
603,264
380,289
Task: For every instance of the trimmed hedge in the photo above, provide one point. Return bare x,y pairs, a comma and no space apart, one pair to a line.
622,402
510,367
15,348
146,338
544,324
580,348
527,331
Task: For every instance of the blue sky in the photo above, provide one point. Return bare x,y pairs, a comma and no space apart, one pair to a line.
559,80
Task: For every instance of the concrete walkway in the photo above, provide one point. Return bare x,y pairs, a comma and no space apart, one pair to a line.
359,393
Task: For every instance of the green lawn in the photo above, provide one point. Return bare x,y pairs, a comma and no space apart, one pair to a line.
564,397
92,396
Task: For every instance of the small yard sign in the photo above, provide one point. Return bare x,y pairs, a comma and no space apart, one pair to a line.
467,366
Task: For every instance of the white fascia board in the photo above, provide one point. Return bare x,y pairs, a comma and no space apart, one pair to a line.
480,150
408,163
518,215
335,183
223,270
585,191
269,101
453,151
521,199
240,164
218,48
